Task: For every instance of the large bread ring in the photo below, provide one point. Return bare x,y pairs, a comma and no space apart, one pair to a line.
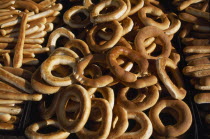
118,71
152,95
105,127
31,131
176,91
80,93
151,31
47,67
184,121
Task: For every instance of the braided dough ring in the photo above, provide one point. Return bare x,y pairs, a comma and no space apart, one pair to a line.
184,121
176,91
104,129
74,10
31,131
96,82
151,31
146,126
47,67
85,104
118,71
152,95
96,17
116,35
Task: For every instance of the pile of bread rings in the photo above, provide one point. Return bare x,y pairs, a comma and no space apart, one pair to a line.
23,28
116,64
195,35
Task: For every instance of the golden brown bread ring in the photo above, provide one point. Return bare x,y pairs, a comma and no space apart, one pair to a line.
64,51
47,113
79,44
80,93
96,82
135,6
176,91
104,129
202,98
96,17
118,127
67,17
7,126
118,71
145,130
151,31
40,85
116,35
142,14
47,67
184,121
31,131
56,34
152,95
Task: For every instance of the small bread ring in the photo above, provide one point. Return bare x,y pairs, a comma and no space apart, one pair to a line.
175,24
96,17
127,11
79,44
151,31
152,95
67,17
104,129
85,104
150,22
177,92
31,131
138,4
56,34
96,82
118,71
116,35
47,67
146,126
47,113
64,51
184,121
121,125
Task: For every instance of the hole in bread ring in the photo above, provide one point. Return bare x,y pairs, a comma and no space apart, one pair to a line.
118,71
105,126
151,97
184,121
177,91
145,130
47,67
96,17
116,35
85,104
151,31
82,23
31,131
96,82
